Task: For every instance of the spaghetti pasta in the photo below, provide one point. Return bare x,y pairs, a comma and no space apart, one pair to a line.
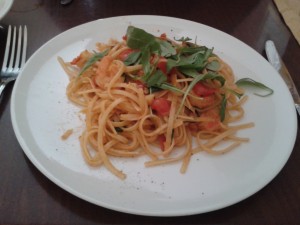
147,91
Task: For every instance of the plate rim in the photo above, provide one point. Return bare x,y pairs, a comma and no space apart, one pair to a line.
7,6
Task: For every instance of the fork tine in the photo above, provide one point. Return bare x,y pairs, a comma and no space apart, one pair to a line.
12,53
8,41
24,47
19,45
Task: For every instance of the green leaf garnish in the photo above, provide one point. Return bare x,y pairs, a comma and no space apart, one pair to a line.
189,72
214,76
92,60
195,81
197,60
166,48
252,83
213,66
223,108
145,60
138,38
183,39
192,50
190,87
132,58
156,79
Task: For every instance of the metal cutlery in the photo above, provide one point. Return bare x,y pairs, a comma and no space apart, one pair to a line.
14,56
65,2
277,63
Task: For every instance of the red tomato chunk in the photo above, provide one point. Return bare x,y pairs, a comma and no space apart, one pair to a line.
162,106
202,90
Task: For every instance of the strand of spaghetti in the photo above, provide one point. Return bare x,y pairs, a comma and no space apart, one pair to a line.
130,69
170,123
123,93
93,161
222,151
89,110
229,132
166,160
131,145
146,148
180,136
240,139
159,127
117,52
187,158
239,113
120,153
102,118
239,103
116,76
113,50
71,71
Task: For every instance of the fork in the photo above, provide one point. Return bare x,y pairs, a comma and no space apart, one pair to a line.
14,56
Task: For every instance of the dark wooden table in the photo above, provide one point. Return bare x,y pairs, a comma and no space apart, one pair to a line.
28,197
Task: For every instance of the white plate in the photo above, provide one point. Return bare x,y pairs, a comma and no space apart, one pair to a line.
5,6
41,113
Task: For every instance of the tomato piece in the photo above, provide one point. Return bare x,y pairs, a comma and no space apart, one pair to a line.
203,91
161,139
162,65
75,60
162,106
163,36
139,83
124,54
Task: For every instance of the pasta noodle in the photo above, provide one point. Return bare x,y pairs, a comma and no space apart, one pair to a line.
128,113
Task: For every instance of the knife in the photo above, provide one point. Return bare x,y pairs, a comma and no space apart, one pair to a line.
277,63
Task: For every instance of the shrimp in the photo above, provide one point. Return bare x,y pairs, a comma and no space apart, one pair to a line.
81,59
105,71
214,122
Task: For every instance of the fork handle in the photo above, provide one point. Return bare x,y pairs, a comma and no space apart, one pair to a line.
3,84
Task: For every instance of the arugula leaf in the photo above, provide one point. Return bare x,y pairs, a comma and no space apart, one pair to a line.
187,91
132,58
197,60
183,39
252,83
145,61
210,75
223,108
92,60
166,48
213,66
189,72
191,50
214,76
138,38
156,79
167,86
196,80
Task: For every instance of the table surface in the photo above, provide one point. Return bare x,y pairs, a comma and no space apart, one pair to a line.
28,197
